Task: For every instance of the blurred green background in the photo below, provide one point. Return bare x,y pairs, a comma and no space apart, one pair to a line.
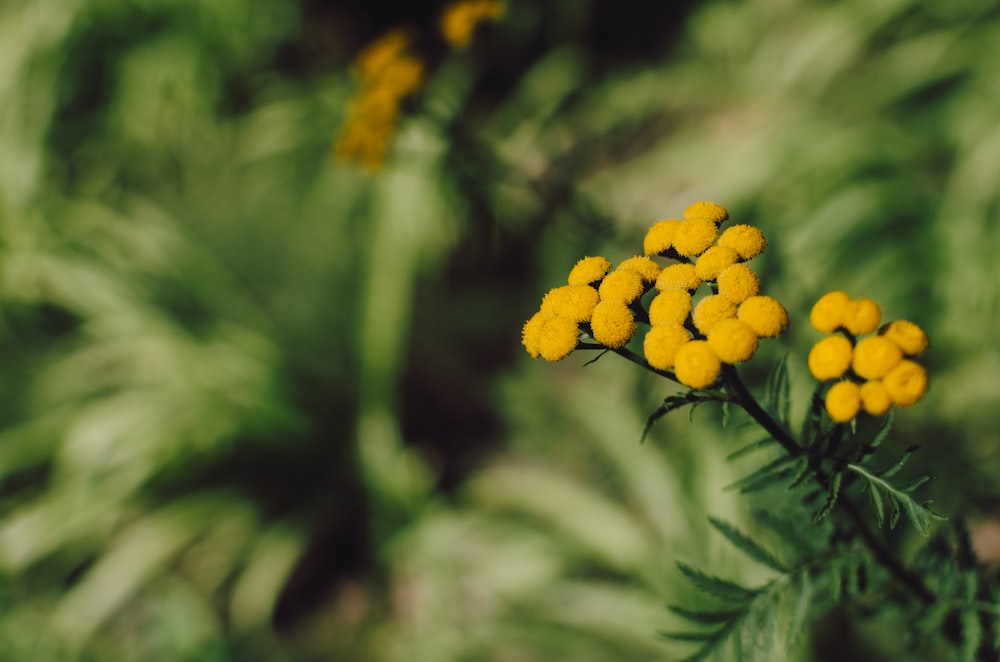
261,404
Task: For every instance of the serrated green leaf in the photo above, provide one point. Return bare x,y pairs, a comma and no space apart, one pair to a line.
877,505
770,473
913,485
777,393
659,413
832,492
800,610
893,468
814,417
688,636
714,586
747,545
878,488
740,452
704,617
804,472
882,433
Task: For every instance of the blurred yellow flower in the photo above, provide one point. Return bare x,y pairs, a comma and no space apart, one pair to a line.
830,357
862,316
875,356
459,20
906,383
843,401
828,312
874,398
909,337
707,210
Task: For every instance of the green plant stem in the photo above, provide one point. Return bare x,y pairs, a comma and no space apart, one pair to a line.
746,400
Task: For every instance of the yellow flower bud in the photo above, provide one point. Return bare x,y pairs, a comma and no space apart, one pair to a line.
843,401
828,312
906,383
624,286
709,210
746,240
738,283
696,365
612,324
875,356
732,341
862,316
661,344
575,302
830,357
694,236
711,310
909,337
589,270
532,331
681,276
660,237
669,307
557,338
643,266
711,263
874,398
765,315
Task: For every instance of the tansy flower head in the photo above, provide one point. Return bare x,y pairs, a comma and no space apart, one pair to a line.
460,20
843,401
696,365
557,338
738,283
370,62
681,276
709,210
830,357
660,237
732,341
694,236
906,383
765,315
531,332
661,344
711,310
575,302
875,356
612,324
874,398
862,316
710,264
828,312
643,266
669,307
624,286
589,270
909,337
746,240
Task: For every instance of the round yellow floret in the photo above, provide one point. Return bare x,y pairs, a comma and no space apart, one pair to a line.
589,270
765,315
669,307
660,237
738,283
909,337
711,310
732,341
862,316
709,210
875,356
532,331
830,357
612,324
746,240
643,266
843,401
711,263
874,398
828,312
557,338
661,344
906,383
694,236
696,365
575,302
624,286
681,276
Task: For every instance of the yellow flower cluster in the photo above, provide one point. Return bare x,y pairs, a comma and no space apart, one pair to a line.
459,20
692,340
872,373
387,74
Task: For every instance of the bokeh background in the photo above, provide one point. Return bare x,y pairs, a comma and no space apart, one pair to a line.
262,403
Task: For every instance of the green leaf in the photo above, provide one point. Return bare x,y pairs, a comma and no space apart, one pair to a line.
714,586
832,492
893,468
749,448
972,634
688,636
747,545
898,499
693,397
704,617
770,473
814,417
882,432
777,393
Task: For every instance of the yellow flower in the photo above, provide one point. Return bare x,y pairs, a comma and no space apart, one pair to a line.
738,283
874,398
557,338
702,209
696,365
574,302
660,237
531,333
746,240
909,337
661,344
694,236
828,312
401,77
460,20
612,324
713,261
681,276
624,286
875,356
711,310
765,315
830,357
589,270
669,307
862,316
370,62
843,401
643,266
906,383
732,341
